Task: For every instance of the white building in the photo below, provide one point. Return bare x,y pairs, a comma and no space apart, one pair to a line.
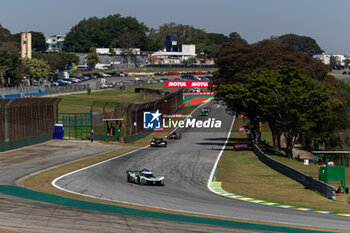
55,43
326,58
173,53
164,57
117,51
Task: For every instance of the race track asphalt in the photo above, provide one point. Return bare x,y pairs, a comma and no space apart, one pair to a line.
23,215
186,165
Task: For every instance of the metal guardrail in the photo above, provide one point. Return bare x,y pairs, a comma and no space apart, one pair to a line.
308,181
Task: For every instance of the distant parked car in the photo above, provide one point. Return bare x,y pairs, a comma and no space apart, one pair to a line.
36,83
55,84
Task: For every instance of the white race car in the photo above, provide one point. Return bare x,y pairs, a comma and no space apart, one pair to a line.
144,177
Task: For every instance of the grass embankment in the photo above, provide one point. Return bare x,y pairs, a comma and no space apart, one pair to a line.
241,172
81,103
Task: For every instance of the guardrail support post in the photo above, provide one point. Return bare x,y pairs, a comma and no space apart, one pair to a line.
7,135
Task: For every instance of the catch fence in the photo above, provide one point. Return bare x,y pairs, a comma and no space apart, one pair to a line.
131,116
166,105
27,117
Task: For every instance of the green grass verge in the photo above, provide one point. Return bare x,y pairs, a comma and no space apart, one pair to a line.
241,172
81,103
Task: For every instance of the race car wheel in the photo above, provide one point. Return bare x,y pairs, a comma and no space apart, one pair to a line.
128,178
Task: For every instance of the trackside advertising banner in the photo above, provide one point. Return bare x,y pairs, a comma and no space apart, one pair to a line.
187,84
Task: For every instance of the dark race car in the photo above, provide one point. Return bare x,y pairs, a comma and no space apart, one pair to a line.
204,112
174,135
158,142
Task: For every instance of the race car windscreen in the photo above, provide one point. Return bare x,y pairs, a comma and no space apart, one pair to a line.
149,176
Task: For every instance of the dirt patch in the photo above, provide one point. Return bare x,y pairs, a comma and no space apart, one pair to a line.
7,231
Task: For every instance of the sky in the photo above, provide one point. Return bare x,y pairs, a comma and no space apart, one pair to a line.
324,20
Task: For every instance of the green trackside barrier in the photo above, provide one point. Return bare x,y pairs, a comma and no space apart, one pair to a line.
59,200
133,138
76,126
26,141
127,139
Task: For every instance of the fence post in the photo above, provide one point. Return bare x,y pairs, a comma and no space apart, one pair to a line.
7,106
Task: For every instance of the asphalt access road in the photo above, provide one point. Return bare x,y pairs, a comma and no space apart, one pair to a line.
22,215
186,165
16,164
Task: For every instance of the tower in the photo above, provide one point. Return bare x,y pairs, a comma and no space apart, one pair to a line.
26,45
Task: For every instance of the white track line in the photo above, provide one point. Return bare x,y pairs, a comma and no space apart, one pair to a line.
53,183
219,156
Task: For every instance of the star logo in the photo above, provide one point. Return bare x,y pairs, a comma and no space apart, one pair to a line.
151,120
155,115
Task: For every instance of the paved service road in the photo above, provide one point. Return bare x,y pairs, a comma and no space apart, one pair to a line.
186,164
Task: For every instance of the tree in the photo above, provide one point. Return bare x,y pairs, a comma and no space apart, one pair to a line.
38,41
5,35
9,64
184,34
127,42
236,60
38,68
191,60
346,62
235,37
290,101
100,32
92,58
206,43
304,44
58,61
333,61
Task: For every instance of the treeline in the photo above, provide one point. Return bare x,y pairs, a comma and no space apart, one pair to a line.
274,82
128,32
13,68
112,31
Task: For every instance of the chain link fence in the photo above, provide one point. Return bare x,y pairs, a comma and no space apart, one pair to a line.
66,89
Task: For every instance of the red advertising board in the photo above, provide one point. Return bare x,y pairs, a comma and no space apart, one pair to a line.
241,146
198,93
161,129
187,84
241,129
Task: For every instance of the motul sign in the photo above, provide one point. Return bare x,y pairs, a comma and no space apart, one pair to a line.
186,84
